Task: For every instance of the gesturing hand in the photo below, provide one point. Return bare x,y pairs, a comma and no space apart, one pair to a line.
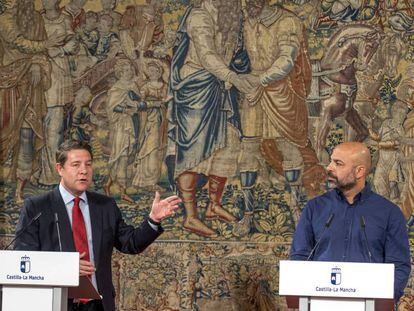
85,267
163,208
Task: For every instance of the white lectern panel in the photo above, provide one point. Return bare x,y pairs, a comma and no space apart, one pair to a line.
336,279
39,268
14,298
37,281
330,304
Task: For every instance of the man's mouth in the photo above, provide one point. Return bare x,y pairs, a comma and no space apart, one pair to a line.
332,177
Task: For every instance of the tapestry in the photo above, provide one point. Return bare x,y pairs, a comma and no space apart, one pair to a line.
162,91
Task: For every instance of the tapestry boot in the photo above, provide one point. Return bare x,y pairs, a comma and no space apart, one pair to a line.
187,183
244,226
215,210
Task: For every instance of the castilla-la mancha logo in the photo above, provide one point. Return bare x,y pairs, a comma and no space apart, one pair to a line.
25,264
336,276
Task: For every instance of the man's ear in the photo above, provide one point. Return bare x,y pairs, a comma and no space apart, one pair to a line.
361,171
59,168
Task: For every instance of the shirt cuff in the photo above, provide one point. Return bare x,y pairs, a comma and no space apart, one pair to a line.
154,226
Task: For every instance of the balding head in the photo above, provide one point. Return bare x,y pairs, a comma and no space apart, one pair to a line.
358,154
349,167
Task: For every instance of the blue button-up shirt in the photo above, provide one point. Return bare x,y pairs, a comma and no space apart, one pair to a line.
344,240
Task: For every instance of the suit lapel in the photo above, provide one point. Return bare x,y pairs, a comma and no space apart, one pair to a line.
64,223
95,213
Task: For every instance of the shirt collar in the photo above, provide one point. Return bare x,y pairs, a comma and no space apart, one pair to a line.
68,197
361,196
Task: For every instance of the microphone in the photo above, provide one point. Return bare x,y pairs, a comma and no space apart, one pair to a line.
327,225
24,229
363,225
58,231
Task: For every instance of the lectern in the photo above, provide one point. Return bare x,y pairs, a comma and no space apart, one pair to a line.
339,286
37,281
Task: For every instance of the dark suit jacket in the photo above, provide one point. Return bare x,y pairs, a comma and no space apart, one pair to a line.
108,231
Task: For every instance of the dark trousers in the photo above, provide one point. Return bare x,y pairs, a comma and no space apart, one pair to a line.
92,305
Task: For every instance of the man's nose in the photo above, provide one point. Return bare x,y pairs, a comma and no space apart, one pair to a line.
329,167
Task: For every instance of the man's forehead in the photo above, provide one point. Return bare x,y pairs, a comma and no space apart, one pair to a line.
348,155
79,154
341,155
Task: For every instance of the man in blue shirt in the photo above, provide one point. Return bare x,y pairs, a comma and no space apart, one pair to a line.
354,206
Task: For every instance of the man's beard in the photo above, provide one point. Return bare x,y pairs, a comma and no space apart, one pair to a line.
343,185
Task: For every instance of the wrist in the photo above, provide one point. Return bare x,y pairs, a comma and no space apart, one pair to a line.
154,221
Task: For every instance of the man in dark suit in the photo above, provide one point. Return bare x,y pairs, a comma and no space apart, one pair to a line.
90,223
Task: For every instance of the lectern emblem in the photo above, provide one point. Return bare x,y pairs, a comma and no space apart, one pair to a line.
25,264
336,276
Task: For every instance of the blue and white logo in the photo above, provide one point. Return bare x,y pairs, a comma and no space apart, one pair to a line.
336,276
25,264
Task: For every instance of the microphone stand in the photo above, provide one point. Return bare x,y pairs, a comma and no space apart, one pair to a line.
363,225
327,225
24,229
58,231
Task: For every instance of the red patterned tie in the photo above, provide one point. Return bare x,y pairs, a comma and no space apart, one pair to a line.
79,234
79,230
